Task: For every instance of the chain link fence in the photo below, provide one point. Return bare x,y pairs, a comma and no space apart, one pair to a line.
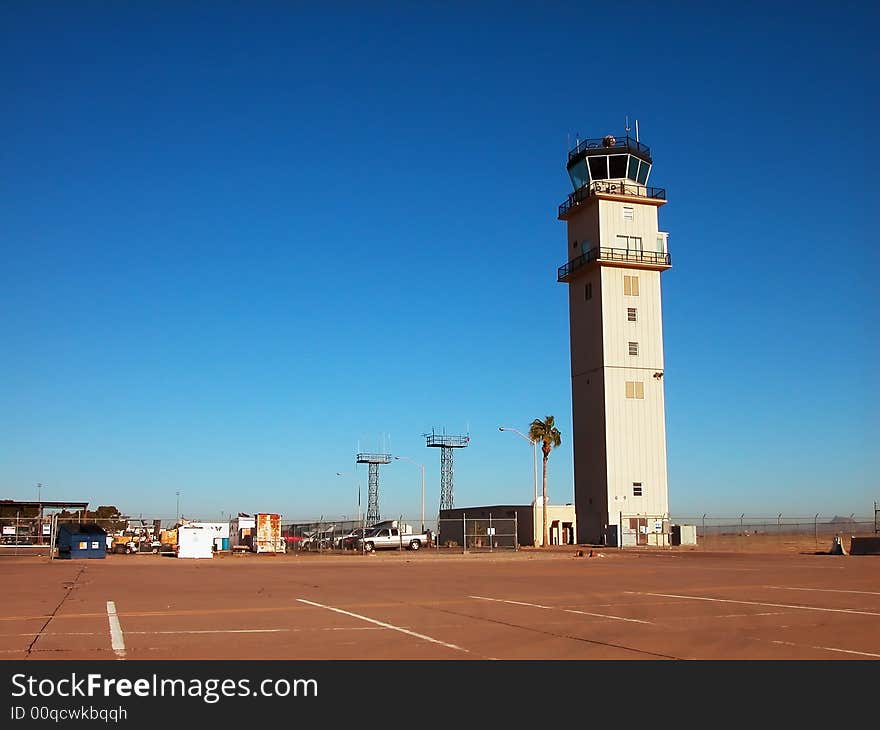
23,536
778,532
478,535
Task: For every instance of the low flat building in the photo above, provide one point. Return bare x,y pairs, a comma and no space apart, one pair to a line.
506,525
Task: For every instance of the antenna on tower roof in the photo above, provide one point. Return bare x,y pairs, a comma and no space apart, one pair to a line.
627,125
637,130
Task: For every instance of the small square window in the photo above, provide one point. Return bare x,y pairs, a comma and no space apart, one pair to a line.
588,290
633,348
637,489
630,314
627,213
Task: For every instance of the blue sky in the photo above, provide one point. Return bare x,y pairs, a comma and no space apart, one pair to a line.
241,241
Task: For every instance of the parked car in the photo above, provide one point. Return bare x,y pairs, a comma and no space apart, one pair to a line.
349,541
389,538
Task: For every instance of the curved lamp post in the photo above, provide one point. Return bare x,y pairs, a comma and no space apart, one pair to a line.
535,449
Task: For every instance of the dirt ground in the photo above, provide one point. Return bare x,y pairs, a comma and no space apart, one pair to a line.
675,603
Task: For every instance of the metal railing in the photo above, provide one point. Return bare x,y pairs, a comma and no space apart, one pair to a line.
609,187
619,143
654,258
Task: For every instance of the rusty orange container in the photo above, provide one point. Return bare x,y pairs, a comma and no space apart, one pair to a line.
268,538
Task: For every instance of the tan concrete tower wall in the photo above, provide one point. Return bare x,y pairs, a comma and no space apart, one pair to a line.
617,441
635,427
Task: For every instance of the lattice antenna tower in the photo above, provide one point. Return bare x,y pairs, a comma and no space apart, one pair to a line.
373,460
446,444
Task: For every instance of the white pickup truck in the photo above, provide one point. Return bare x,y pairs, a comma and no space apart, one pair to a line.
388,538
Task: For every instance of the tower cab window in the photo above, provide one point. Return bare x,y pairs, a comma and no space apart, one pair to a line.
599,168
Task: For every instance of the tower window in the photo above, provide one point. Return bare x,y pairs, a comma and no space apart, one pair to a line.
627,213
635,389
633,348
574,244
630,243
598,168
633,171
637,489
588,290
631,314
631,286
617,166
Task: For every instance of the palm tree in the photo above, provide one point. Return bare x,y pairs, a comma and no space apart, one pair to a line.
549,436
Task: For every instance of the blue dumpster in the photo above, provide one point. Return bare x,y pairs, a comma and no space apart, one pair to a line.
83,540
225,543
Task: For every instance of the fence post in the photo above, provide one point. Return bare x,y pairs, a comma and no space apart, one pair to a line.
741,528
816,529
53,526
464,532
704,528
516,531
491,535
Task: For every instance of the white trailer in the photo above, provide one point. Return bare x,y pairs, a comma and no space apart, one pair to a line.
219,531
194,541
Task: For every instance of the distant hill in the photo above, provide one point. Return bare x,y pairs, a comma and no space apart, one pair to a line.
841,520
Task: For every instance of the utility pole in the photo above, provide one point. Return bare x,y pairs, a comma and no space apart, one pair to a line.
40,513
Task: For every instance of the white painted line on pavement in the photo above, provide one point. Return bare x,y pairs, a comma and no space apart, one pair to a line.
824,590
825,648
757,603
116,639
566,610
383,625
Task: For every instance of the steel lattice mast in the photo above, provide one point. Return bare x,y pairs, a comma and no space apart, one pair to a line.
446,445
373,460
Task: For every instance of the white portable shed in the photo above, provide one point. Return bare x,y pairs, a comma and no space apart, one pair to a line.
195,542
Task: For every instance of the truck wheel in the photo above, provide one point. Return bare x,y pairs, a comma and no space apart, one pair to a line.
155,551
415,545
369,547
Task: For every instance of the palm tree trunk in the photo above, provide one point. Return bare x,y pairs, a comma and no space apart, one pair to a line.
546,541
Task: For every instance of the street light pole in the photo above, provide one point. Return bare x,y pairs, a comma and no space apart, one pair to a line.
40,512
345,474
361,522
178,505
534,479
534,460
422,470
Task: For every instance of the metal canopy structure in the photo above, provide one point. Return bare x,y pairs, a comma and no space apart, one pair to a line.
8,507
446,444
373,491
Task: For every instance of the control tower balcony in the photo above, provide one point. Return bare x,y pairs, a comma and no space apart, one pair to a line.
611,190
654,260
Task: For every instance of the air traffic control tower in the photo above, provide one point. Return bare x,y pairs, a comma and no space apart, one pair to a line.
616,253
